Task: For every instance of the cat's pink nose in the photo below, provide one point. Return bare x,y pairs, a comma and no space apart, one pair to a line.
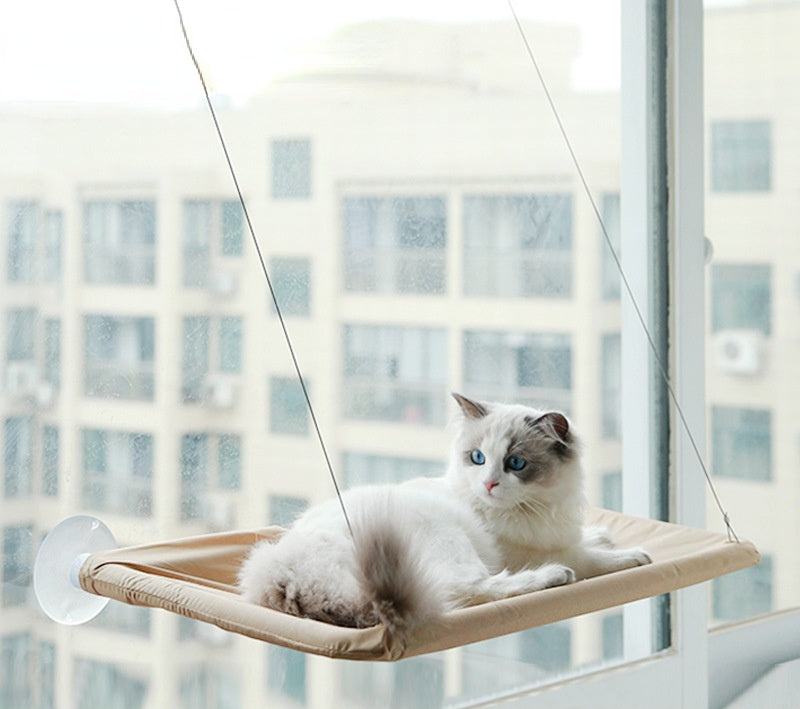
490,485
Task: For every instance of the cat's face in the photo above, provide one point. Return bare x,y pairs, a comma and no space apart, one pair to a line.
510,456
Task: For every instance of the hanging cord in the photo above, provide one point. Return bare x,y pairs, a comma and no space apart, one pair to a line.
264,268
628,289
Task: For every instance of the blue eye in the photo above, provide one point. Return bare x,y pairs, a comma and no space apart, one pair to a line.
515,462
477,457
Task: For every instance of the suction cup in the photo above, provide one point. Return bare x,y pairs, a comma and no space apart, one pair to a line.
58,562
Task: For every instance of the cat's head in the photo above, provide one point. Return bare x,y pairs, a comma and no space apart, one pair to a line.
507,456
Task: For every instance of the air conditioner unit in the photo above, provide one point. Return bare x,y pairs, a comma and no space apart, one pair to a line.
739,351
223,283
220,392
21,378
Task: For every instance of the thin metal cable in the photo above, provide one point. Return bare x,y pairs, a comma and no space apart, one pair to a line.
628,289
264,268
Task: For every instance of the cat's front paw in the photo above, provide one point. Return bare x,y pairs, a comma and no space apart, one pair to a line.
641,556
635,556
552,575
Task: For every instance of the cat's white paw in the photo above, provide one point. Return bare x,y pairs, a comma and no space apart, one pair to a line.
555,575
635,556
641,556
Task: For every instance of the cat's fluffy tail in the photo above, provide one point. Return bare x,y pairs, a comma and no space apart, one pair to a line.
394,572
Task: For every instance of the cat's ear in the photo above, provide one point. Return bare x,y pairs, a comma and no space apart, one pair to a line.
554,424
472,409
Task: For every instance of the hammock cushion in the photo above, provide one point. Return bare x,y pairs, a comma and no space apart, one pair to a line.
196,577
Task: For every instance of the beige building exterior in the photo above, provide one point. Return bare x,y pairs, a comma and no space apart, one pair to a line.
146,379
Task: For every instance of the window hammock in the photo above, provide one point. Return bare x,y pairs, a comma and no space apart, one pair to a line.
196,577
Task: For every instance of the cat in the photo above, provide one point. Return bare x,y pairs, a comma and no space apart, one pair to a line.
505,519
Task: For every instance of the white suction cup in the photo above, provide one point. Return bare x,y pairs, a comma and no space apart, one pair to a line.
55,572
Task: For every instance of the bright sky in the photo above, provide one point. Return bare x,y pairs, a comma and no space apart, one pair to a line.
131,51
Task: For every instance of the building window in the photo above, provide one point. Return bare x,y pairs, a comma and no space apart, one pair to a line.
209,687
609,272
286,673
611,492
395,373
194,360
229,461
20,334
367,469
194,475
532,652
52,353
612,629
201,363
527,368
210,464
53,238
21,243
45,677
741,297
743,594
118,472
417,682
741,441
288,410
518,245
50,460
120,356
18,456
291,280
119,242
102,684
230,344
15,671
741,156
211,228
395,244
285,509
291,169
17,565
611,394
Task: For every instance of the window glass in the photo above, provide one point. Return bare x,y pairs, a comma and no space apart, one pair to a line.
395,244
119,242
50,460
118,472
291,280
425,232
288,412
741,297
528,368
291,168
21,241
518,245
120,355
395,373
752,305
18,456
741,156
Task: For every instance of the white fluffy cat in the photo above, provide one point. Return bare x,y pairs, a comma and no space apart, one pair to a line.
506,519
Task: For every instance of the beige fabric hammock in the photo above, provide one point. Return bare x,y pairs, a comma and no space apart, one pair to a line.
196,577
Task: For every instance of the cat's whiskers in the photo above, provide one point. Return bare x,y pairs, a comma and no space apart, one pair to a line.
535,507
